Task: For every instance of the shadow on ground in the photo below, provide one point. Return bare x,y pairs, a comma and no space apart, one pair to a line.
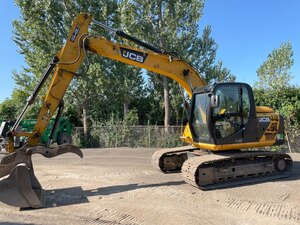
9,223
295,175
75,195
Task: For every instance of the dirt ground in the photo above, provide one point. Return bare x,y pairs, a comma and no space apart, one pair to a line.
120,186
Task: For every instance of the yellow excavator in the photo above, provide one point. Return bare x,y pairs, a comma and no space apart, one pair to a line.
223,120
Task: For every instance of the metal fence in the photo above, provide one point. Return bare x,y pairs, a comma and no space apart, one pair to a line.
294,143
146,136
128,136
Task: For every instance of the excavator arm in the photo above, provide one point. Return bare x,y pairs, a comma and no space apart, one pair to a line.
18,184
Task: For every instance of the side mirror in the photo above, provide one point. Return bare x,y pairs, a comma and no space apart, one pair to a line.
214,101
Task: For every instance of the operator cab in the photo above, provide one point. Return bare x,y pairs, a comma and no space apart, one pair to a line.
223,114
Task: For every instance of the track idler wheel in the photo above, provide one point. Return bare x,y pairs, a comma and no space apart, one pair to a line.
19,186
280,164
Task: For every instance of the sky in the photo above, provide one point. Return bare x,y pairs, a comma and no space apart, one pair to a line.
246,31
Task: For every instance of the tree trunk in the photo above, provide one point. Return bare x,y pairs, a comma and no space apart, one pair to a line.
166,103
165,79
126,108
85,113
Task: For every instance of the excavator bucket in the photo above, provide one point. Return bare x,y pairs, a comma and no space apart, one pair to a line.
19,186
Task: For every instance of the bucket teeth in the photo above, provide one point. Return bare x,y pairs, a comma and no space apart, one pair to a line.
53,152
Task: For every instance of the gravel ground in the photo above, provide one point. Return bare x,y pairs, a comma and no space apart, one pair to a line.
119,186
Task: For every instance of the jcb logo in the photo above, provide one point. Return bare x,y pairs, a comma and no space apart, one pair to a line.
133,55
264,120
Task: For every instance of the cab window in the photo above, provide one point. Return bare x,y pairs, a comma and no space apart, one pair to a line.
199,116
233,110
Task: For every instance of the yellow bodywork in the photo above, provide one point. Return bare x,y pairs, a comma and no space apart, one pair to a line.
70,59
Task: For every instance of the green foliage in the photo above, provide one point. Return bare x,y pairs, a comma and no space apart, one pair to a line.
168,25
218,73
131,118
286,101
275,73
7,110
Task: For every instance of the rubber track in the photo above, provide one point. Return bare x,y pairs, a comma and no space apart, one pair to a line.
190,167
159,154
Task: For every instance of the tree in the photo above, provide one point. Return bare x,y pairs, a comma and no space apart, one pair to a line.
275,73
8,110
124,83
218,73
167,24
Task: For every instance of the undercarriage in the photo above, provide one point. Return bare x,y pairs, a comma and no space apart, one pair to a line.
208,170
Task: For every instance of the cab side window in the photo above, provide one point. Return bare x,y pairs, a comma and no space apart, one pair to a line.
246,105
233,110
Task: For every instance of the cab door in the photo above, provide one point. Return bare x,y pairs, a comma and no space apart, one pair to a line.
234,113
